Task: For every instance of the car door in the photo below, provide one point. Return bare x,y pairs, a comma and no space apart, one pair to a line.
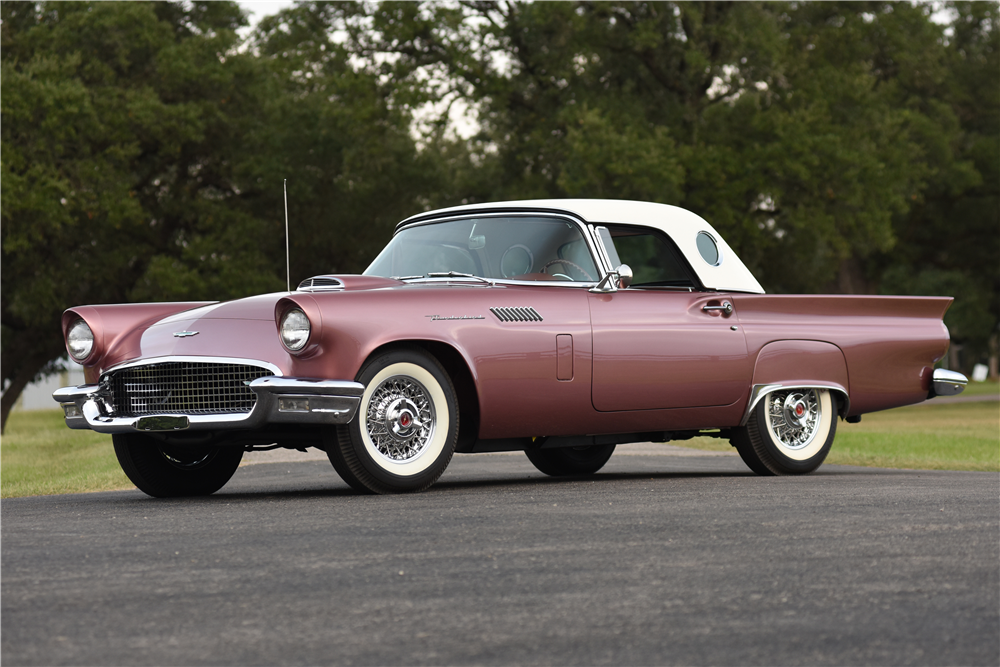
661,343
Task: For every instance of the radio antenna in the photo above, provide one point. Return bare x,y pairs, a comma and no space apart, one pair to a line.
288,264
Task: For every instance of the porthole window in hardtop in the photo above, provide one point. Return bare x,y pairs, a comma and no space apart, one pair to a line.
709,249
515,247
653,258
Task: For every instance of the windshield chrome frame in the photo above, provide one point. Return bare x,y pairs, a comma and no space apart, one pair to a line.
586,230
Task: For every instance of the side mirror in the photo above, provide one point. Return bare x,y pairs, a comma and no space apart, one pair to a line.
624,276
620,278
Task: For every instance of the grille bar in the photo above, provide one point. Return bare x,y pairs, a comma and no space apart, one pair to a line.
191,388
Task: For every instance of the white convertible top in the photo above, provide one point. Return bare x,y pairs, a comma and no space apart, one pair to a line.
679,224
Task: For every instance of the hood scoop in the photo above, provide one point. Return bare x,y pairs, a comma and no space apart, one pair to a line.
321,284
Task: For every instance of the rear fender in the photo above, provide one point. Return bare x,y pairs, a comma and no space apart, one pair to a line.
800,364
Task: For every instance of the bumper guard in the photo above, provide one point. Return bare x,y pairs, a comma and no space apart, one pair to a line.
947,383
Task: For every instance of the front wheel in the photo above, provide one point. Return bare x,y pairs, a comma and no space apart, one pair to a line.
406,427
789,432
165,471
570,461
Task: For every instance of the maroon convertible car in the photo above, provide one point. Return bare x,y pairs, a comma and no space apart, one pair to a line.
559,328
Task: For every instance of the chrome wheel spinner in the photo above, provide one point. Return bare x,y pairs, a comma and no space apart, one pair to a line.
400,418
794,416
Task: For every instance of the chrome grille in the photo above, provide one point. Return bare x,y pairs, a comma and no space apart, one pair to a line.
190,388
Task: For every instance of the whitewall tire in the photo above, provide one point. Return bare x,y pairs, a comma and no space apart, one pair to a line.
406,427
790,432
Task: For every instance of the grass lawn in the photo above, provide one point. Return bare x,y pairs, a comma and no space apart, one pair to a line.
929,436
40,456
982,388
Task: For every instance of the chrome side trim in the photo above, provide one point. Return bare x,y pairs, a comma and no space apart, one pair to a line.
947,383
306,386
759,391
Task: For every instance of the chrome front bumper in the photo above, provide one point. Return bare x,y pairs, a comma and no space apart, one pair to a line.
280,400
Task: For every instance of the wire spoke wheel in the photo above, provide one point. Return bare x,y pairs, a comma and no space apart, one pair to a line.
400,419
406,427
790,432
793,418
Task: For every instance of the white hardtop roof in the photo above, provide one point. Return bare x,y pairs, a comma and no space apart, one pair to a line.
679,224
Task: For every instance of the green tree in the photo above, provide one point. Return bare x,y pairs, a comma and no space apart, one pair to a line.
846,147
114,115
744,112
949,242
143,154
332,125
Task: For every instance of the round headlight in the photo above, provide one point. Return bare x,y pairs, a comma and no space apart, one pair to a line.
295,330
80,340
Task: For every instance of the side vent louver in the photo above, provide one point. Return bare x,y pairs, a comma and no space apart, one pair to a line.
516,314
320,284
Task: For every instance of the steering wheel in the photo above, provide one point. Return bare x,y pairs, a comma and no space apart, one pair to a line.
565,262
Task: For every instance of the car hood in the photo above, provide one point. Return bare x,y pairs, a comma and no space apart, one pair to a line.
261,307
240,329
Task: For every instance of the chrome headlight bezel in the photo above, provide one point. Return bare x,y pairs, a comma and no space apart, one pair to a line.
295,330
79,340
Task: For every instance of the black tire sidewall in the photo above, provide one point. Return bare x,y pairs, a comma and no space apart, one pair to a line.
570,461
141,458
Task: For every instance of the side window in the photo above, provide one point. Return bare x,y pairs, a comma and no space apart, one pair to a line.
654,260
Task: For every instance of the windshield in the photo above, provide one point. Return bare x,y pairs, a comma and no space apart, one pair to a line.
518,248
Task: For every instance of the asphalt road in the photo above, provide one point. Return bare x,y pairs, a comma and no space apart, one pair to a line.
660,559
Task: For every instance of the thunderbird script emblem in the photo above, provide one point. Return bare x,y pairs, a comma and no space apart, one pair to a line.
184,334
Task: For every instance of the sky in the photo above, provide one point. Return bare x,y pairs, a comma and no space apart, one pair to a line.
258,9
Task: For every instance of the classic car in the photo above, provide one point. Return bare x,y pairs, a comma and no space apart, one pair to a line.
560,328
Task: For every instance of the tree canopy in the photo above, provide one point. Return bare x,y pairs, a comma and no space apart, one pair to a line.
845,147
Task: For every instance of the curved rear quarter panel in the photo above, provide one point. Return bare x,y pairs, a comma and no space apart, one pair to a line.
802,363
890,344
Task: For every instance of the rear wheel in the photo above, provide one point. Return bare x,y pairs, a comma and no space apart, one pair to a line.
789,432
569,461
163,471
406,428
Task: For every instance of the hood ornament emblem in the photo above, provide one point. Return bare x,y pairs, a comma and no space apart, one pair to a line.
184,334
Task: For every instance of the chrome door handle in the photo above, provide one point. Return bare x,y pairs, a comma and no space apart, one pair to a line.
726,307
